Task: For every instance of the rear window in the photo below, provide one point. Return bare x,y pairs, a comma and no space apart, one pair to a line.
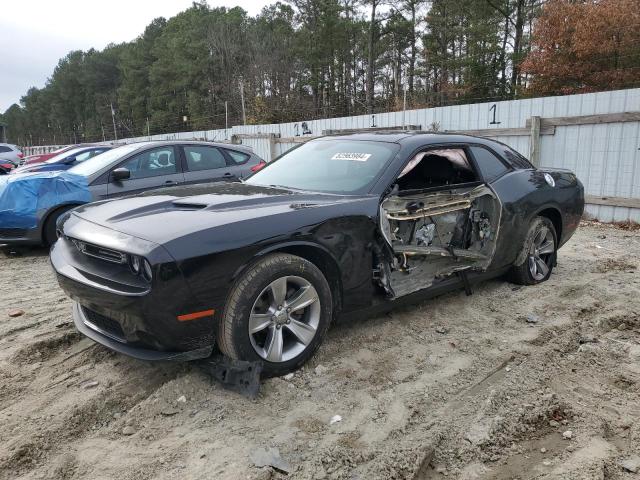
490,165
238,157
516,159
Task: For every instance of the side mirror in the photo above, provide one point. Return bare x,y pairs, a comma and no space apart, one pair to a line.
120,174
69,160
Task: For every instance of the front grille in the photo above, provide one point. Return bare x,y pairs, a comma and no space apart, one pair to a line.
103,324
102,253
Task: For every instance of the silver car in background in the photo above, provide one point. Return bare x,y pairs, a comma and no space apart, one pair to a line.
11,152
31,207
137,167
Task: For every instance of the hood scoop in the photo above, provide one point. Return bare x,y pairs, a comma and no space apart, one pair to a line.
187,205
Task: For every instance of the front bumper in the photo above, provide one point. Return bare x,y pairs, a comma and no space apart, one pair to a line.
96,334
138,320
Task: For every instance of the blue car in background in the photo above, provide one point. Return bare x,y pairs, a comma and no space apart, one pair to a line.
32,202
64,160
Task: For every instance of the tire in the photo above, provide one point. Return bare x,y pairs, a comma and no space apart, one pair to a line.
49,234
538,256
282,338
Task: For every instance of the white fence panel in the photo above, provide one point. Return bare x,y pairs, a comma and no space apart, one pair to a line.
606,156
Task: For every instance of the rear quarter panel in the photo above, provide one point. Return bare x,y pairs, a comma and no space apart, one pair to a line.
526,193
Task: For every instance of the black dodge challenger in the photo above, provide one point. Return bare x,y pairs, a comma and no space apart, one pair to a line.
335,226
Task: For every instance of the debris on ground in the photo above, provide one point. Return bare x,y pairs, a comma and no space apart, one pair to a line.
15,313
168,412
335,419
321,370
531,318
269,457
89,384
588,339
631,464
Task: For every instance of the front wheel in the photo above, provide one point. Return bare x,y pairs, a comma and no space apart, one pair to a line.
539,254
277,312
49,234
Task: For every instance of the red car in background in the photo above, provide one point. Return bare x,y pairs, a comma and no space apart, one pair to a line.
39,158
33,159
6,166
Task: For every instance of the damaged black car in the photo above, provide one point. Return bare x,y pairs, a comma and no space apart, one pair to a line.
338,225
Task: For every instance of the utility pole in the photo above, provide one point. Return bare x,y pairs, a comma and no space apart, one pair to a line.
226,116
113,118
148,130
244,115
404,99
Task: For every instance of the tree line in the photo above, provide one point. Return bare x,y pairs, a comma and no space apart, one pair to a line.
206,68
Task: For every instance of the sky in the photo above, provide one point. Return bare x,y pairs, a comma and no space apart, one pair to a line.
35,34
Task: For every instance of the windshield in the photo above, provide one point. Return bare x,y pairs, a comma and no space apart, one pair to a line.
67,154
97,163
333,166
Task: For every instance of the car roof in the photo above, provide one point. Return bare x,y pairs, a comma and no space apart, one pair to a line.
159,143
410,137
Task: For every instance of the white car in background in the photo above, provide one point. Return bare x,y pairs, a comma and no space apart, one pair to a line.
11,152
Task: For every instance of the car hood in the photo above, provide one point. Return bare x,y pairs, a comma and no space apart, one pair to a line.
223,210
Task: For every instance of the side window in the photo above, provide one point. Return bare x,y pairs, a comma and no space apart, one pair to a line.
490,166
84,156
4,149
203,158
238,157
152,163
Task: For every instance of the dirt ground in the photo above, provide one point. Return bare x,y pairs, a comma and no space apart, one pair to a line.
531,382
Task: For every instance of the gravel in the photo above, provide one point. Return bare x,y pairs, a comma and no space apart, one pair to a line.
412,402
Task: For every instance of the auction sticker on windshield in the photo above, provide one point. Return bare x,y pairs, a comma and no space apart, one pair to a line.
358,157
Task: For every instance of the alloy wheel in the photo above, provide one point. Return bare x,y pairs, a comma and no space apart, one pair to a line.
541,254
284,319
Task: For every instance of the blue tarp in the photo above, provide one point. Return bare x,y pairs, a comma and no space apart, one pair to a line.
24,197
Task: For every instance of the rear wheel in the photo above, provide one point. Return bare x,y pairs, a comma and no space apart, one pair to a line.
277,312
539,253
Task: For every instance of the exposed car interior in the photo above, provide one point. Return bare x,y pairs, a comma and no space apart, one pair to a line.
438,220
436,168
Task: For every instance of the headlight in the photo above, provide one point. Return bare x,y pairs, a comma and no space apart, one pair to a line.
140,266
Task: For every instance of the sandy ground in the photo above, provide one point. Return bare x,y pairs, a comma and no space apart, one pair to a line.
459,387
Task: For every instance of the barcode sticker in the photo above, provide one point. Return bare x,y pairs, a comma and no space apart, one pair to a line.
356,157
